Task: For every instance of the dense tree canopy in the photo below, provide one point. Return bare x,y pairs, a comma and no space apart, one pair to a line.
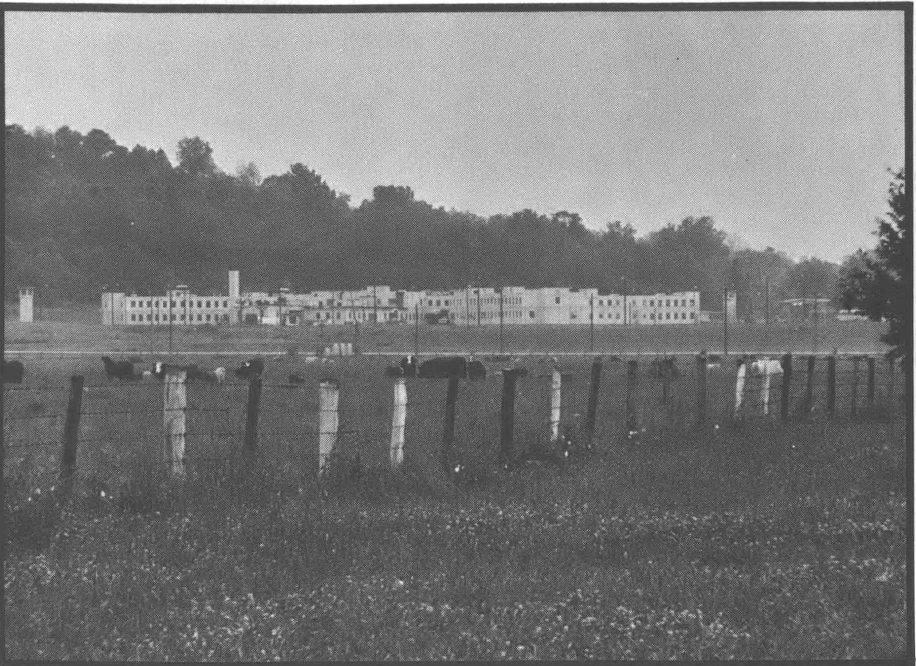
84,213
879,283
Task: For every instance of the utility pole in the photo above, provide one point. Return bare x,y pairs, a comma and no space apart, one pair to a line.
171,316
767,292
591,324
374,306
478,304
625,301
416,330
467,306
814,330
725,319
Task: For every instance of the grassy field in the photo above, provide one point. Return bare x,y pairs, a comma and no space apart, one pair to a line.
765,542
79,329
750,540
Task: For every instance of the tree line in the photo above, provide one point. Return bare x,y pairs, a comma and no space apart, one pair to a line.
85,214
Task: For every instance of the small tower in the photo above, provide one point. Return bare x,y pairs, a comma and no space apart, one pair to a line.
26,302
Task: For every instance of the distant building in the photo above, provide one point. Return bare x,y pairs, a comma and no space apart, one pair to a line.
801,309
470,306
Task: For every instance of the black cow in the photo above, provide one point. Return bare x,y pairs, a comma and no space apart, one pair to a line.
444,367
406,368
13,372
250,369
118,369
476,370
664,368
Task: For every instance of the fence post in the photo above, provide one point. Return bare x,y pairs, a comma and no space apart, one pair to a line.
632,379
809,387
175,402
448,429
870,387
701,388
831,384
855,386
507,419
891,380
592,403
328,420
251,415
71,434
398,423
556,404
786,386
739,387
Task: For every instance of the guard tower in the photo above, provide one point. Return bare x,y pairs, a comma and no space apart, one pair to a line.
26,303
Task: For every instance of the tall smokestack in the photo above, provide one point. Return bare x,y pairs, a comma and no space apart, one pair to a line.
25,304
234,287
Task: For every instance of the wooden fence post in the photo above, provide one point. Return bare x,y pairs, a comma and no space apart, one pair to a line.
251,414
448,428
592,412
809,387
175,402
398,423
855,386
831,384
71,434
870,386
891,380
507,419
786,386
328,421
701,388
632,380
556,404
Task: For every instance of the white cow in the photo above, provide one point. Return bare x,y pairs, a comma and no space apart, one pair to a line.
763,369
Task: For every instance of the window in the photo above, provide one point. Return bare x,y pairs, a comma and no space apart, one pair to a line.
667,303
667,315
531,314
600,316
558,299
430,301
438,303
652,304
149,317
618,316
693,315
684,302
317,315
692,302
133,317
652,316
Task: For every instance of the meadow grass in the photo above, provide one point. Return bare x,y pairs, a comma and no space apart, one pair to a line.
765,541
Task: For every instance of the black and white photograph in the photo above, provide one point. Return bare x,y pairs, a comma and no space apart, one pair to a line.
458,333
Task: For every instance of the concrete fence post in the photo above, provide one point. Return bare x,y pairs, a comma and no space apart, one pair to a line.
328,421
739,388
71,434
556,404
398,423
448,427
175,402
592,412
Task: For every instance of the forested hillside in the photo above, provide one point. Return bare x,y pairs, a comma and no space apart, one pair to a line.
84,213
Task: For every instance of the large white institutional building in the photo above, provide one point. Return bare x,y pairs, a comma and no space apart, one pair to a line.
470,306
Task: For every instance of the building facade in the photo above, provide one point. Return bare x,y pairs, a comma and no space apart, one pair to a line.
470,306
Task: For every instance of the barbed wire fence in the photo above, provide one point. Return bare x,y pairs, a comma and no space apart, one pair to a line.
88,439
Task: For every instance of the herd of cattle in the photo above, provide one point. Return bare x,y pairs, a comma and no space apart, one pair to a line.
442,367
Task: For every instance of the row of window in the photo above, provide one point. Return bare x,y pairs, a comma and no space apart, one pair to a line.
179,318
201,303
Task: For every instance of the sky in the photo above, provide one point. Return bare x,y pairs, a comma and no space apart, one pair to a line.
780,125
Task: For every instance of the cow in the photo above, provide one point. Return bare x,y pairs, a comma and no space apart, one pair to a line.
444,367
406,368
250,369
296,378
220,374
476,370
664,368
118,369
761,370
13,371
